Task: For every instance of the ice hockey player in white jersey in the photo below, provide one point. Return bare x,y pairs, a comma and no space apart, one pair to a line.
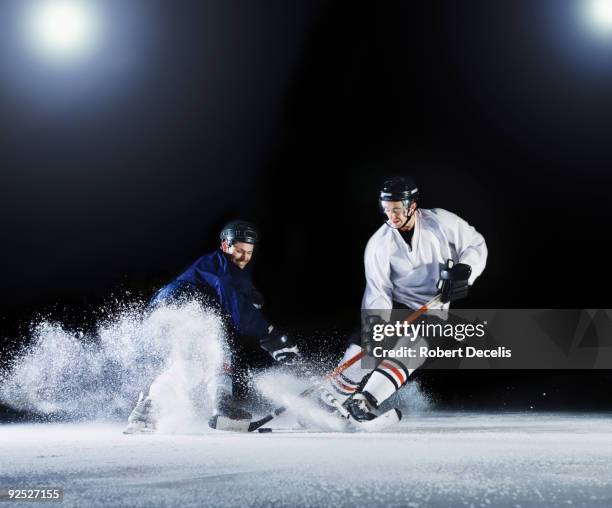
403,262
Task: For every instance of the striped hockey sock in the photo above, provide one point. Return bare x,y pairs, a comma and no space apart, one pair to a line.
386,379
343,385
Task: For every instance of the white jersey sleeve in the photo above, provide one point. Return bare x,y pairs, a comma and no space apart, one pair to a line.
379,289
468,243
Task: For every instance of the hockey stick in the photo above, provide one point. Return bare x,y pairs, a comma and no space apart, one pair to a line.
254,425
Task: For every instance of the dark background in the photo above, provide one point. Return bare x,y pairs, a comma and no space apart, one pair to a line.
291,114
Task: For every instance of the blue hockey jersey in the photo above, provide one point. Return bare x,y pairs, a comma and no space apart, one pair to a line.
231,286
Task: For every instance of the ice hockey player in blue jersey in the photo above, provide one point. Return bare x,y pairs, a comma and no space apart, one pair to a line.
219,281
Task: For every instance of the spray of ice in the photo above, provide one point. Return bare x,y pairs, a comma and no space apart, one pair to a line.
172,352
74,376
411,399
284,389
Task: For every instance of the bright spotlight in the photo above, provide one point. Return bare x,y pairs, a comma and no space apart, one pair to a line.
599,15
63,30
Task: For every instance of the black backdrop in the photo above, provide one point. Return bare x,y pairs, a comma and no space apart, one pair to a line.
291,114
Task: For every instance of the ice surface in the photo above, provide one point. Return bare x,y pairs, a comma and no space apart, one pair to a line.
437,460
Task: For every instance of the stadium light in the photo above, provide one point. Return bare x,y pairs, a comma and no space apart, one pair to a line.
598,14
63,30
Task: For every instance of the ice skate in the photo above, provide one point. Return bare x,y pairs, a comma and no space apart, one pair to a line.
228,407
361,407
141,420
227,415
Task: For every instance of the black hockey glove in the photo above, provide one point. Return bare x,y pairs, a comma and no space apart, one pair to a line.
454,281
257,299
367,332
280,347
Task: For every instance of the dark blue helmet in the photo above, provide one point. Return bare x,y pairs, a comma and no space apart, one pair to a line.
239,231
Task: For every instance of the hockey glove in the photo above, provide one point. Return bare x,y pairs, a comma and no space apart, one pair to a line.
367,332
280,347
257,299
454,281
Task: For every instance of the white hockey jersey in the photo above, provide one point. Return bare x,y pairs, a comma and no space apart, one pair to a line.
409,275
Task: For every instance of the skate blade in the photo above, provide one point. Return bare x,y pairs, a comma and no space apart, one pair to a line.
139,428
219,422
380,423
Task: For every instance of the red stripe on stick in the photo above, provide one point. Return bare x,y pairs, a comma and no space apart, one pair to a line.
346,388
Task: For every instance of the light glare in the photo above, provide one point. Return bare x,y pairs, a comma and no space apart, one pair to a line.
599,15
63,29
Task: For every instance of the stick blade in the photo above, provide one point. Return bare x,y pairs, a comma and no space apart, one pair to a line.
220,422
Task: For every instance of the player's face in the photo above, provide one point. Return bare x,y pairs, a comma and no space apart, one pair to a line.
239,253
396,212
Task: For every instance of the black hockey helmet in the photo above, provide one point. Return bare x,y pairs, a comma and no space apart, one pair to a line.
239,231
399,188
